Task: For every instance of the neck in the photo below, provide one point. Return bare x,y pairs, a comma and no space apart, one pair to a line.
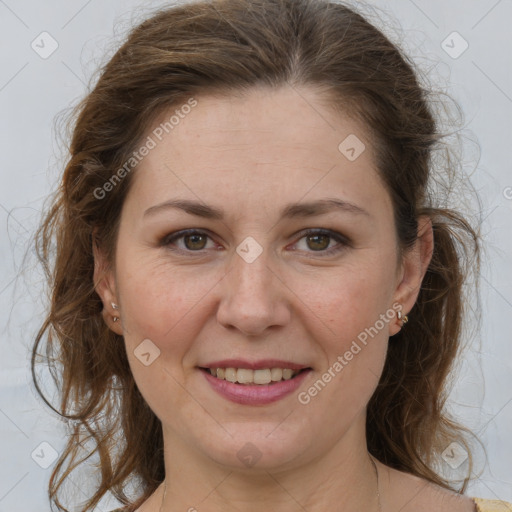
344,478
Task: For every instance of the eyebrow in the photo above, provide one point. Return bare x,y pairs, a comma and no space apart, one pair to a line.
290,211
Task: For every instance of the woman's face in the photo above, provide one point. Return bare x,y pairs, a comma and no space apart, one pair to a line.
251,289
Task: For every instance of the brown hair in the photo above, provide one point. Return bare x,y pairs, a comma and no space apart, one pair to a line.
230,46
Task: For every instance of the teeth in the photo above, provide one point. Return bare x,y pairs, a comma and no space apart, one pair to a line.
247,376
244,376
230,374
262,376
287,374
276,374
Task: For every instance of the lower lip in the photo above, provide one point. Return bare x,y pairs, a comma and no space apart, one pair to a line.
259,394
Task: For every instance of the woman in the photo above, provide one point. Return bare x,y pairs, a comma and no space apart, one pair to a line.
256,302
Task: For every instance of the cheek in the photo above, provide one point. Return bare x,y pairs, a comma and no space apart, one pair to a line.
350,299
160,302
351,320
354,349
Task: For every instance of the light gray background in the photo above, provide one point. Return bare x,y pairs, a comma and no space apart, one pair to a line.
34,90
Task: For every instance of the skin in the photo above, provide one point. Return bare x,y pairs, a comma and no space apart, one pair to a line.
251,156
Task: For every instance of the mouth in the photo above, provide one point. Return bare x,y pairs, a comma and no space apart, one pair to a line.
251,377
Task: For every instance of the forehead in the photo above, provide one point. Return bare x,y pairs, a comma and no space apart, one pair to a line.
255,148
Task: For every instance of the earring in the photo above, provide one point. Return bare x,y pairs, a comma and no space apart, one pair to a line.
402,318
114,306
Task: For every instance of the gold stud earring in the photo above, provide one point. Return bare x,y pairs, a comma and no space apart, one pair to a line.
114,306
402,318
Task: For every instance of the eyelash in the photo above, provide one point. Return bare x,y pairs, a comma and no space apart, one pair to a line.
343,241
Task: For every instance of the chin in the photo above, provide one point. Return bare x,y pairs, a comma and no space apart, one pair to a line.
256,447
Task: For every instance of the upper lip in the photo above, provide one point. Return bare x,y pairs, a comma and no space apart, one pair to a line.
255,365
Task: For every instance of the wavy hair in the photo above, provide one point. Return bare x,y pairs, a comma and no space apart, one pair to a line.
231,46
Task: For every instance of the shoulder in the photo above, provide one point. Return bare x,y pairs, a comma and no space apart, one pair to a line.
492,505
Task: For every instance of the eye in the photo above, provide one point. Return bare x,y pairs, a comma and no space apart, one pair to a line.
193,239
319,239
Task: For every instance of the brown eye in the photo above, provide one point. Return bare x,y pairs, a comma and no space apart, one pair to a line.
319,241
196,241
193,240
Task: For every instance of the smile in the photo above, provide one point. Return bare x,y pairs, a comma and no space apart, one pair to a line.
254,387
248,376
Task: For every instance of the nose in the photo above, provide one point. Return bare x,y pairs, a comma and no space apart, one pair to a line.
254,297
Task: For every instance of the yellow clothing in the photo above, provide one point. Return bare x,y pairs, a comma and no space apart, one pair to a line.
492,505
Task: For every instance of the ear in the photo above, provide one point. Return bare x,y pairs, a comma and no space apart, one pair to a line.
105,286
414,266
